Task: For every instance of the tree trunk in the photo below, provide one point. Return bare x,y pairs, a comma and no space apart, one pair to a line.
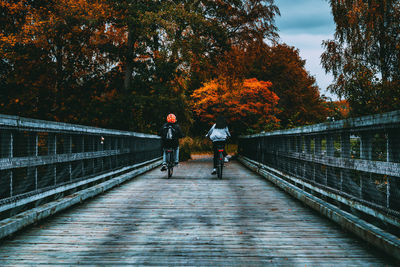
59,79
129,60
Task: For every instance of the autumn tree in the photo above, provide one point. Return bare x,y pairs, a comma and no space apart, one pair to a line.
123,64
237,22
249,105
300,99
280,64
185,32
338,110
170,41
53,50
364,57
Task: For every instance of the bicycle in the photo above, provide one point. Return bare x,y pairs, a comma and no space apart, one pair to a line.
170,161
220,162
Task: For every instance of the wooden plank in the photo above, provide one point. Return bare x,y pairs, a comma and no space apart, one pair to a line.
191,219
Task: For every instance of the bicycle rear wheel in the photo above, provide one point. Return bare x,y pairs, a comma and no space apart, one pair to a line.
220,166
170,164
170,171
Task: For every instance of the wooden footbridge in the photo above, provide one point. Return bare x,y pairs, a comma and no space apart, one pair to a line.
90,196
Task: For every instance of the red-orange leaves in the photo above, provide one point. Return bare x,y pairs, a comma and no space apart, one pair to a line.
248,104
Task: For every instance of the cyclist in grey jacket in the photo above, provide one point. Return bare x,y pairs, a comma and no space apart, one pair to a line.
218,134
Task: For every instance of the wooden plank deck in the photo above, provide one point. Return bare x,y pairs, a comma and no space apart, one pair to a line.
191,219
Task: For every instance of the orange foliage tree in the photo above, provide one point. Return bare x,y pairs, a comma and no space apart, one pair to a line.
299,97
338,110
249,105
52,50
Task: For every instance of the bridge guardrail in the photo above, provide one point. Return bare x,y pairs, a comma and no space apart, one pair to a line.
353,164
356,159
40,156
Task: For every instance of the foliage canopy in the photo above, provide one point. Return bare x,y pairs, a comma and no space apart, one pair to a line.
364,57
127,63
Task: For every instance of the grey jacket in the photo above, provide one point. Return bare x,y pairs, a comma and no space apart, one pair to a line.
216,134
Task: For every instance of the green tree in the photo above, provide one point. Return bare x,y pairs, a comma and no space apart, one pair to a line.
364,57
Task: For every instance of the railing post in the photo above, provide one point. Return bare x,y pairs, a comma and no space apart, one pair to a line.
68,150
318,145
79,168
313,140
330,152
293,150
307,151
116,148
393,183
366,154
122,147
298,150
297,144
317,153
109,157
330,148
345,145
7,149
366,146
102,148
33,152
92,149
273,143
99,147
52,151
82,145
263,147
307,144
284,150
345,153
135,141
132,151
259,149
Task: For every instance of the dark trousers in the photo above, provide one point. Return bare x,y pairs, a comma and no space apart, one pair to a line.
216,146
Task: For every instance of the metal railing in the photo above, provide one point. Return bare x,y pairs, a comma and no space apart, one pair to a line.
353,163
37,156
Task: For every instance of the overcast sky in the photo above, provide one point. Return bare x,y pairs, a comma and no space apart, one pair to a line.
304,24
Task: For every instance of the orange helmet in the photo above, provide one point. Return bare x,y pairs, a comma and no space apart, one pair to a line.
171,118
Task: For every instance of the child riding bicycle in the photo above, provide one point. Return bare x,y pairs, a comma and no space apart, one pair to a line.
170,133
218,134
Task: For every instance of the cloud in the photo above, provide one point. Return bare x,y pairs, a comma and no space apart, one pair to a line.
312,16
304,25
310,49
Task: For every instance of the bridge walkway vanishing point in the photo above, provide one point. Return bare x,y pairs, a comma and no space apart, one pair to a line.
191,219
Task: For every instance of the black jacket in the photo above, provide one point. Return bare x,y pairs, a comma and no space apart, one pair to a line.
174,143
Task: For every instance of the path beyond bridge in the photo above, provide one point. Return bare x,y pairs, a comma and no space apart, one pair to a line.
191,219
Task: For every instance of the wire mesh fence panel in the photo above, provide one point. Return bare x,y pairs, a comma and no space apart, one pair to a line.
36,156
357,159
5,183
